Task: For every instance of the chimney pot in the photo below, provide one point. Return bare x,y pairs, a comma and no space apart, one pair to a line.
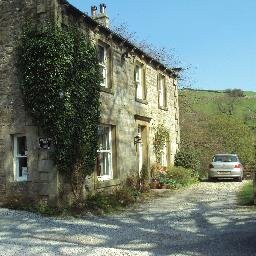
94,10
102,8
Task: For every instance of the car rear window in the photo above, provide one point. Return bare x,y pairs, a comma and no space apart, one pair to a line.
225,158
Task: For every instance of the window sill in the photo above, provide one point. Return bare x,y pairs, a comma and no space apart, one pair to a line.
107,183
20,181
142,101
107,90
163,108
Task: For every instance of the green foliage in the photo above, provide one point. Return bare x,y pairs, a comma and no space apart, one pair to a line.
187,158
245,195
160,139
206,131
234,136
235,92
28,204
177,177
61,79
103,202
133,190
164,179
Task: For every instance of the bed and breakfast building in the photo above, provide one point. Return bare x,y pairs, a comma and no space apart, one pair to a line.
137,94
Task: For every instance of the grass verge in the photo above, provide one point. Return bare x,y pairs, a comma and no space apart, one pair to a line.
245,195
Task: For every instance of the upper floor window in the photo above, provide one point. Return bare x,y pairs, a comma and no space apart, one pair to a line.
20,158
103,56
139,81
104,160
161,91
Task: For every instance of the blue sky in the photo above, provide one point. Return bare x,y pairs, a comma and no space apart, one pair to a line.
217,38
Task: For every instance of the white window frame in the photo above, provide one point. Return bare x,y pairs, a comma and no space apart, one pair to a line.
104,66
16,158
139,81
109,151
162,91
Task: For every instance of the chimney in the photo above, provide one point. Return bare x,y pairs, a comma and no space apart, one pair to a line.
102,17
102,8
93,11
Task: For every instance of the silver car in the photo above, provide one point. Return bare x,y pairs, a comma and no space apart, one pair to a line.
225,166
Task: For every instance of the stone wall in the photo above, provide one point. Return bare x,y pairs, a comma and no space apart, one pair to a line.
119,106
13,118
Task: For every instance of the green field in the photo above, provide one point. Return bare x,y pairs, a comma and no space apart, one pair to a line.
209,102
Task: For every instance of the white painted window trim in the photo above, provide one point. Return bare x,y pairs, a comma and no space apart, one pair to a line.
139,81
16,158
162,91
110,156
104,66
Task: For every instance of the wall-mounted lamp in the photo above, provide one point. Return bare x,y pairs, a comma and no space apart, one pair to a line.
137,140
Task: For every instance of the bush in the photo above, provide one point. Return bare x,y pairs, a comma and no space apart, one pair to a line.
188,159
235,92
32,205
103,202
177,177
245,195
182,176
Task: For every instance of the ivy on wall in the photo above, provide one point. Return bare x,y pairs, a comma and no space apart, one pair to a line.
60,82
160,139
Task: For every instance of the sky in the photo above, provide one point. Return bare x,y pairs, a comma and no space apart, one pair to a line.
215,38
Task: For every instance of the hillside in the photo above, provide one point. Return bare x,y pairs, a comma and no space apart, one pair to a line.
218,122
215,102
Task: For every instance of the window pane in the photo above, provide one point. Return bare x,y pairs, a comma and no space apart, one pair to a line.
104,138
101,54
104,164
139,91
137,73
161,92
104,158
21,146
22,165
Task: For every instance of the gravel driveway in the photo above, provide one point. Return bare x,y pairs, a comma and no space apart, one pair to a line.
201,220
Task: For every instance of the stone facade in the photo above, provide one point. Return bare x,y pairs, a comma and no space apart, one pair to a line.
125,110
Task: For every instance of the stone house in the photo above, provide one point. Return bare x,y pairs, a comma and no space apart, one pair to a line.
138,93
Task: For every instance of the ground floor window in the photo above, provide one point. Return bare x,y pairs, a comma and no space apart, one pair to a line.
104,164
20,158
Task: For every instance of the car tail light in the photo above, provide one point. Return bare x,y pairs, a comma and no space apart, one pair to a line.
211,166
237,166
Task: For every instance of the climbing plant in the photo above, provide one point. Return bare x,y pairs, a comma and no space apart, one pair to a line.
60,82
160,139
